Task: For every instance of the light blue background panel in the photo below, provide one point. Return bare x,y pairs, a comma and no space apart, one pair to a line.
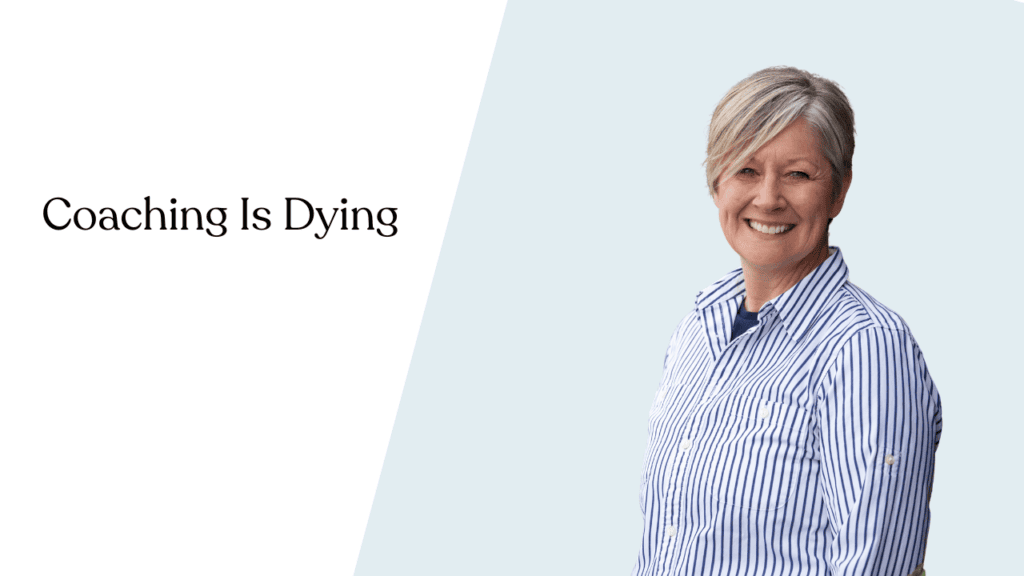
582,230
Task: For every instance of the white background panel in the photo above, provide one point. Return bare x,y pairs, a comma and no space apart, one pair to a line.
174,402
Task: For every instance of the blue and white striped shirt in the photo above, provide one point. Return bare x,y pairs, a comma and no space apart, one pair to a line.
804,446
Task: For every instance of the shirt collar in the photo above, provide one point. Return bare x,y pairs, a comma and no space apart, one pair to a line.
797,307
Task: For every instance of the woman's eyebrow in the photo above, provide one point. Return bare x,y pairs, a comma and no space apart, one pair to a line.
801,159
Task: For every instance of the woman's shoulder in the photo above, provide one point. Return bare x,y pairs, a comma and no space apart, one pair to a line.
862,311
862,331
854,324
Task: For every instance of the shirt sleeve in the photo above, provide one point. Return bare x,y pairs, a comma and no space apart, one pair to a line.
878,424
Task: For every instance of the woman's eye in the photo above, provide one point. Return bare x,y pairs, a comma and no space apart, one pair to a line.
746,171
799,174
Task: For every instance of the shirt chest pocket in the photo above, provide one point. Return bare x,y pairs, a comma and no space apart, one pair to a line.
758,453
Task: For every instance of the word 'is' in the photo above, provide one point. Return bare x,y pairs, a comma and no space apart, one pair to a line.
299,215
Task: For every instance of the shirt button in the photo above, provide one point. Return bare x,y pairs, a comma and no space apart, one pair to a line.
764,412
671,531
685,444
890,459
661,396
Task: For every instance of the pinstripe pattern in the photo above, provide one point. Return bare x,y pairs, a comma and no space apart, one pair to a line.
804,446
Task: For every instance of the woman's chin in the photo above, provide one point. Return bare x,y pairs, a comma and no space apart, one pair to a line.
770,259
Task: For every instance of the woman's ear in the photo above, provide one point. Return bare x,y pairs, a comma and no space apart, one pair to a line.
837,206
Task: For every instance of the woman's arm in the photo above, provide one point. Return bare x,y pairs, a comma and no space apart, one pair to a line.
878,423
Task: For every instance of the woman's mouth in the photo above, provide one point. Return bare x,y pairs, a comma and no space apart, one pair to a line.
770,228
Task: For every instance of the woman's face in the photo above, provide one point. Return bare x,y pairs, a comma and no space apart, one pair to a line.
775,210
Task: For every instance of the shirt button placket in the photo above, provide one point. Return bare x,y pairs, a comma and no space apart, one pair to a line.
670,534
713,386
676,510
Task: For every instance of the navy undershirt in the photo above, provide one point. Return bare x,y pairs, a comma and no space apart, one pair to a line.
743,322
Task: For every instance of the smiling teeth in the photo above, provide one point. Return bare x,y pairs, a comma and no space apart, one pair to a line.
769,229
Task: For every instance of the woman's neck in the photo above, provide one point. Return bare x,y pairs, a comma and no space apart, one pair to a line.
763,283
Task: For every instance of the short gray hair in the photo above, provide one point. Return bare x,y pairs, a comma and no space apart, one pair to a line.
760,106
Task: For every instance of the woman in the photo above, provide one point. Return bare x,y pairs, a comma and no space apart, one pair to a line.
795,427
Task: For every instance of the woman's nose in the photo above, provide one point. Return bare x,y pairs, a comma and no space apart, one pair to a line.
769,195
